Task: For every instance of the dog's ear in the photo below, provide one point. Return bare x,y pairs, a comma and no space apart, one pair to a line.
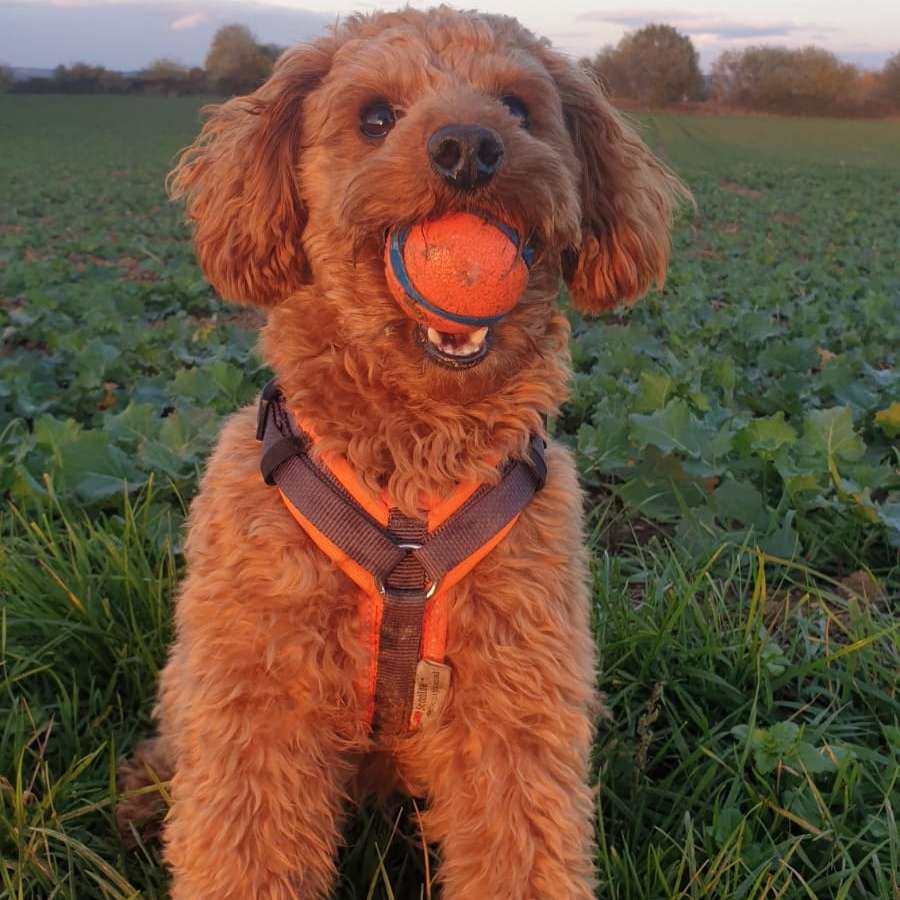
627,198
240,183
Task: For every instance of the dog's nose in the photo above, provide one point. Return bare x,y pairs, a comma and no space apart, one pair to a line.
466,156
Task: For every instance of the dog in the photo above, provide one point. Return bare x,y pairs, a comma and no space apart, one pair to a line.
264,706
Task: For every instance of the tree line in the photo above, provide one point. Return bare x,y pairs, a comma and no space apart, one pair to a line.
235,64
655,66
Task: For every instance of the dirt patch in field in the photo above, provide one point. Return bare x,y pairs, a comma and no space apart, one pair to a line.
81,262
248,318
11,304
31,255
133,270
623,529
703,253
732,187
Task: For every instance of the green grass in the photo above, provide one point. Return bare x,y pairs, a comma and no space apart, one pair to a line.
736,436
716,143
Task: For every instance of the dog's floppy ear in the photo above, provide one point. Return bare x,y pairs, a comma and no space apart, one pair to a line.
239,180
627,198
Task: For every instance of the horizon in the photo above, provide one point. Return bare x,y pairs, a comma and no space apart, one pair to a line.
127,35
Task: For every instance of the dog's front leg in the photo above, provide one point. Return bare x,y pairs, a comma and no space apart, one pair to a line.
511,810
505,770
267,725
259,709
257,794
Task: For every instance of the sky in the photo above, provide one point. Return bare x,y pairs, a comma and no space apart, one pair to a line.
129,34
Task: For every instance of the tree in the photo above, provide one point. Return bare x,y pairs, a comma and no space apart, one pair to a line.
656,65
272,51
890,82
776,79
611,70
236,64
113,83
165,76
79,78
6,78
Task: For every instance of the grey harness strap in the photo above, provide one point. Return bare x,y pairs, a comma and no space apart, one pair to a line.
406,562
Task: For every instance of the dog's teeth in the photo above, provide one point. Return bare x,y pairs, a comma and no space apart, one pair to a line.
457,344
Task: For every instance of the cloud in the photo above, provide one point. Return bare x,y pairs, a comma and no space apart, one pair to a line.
189,21
713,27
128,35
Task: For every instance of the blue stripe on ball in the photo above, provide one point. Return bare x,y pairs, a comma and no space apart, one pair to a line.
398,265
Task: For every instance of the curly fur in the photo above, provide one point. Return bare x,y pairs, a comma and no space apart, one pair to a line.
261,725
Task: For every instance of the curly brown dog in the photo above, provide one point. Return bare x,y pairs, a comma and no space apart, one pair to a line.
262,710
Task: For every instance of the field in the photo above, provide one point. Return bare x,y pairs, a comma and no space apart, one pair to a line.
737,434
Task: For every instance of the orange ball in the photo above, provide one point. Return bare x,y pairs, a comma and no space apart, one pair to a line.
458,273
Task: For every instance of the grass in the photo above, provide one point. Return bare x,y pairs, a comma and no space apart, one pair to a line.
745,602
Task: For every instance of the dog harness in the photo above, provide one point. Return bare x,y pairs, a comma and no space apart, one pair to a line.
404,566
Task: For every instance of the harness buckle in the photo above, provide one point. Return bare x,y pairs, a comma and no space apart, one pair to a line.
537,462
410,547
383,589
269,393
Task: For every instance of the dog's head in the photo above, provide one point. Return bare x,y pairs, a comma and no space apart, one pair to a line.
399,117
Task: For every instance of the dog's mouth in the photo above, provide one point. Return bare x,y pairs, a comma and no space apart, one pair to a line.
456,350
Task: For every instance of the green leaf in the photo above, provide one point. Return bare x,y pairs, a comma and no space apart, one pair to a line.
772,656
801,802
765,759
888,420
672,428
726,822
697,535
138,421
156,456
831,430
189,431
54,433
811,759
605,447
93,486
722,372
229,379
783,736
653,391
844,377
651,498
193,385
94,362
740,501
94,469
889,515
700,401
784,542
767,434
797,484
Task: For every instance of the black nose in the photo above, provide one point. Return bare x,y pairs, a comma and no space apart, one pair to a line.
466,156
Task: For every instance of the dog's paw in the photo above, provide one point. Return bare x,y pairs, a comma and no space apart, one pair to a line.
143,796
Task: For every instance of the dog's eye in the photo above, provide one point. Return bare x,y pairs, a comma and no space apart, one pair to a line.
518,107
377,119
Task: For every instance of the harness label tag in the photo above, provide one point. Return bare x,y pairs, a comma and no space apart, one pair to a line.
431,690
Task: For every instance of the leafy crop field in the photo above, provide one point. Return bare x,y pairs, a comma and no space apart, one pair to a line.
737,435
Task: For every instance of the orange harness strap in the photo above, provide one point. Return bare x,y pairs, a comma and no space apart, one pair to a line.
403,566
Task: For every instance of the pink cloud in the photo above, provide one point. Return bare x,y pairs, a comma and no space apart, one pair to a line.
190,21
